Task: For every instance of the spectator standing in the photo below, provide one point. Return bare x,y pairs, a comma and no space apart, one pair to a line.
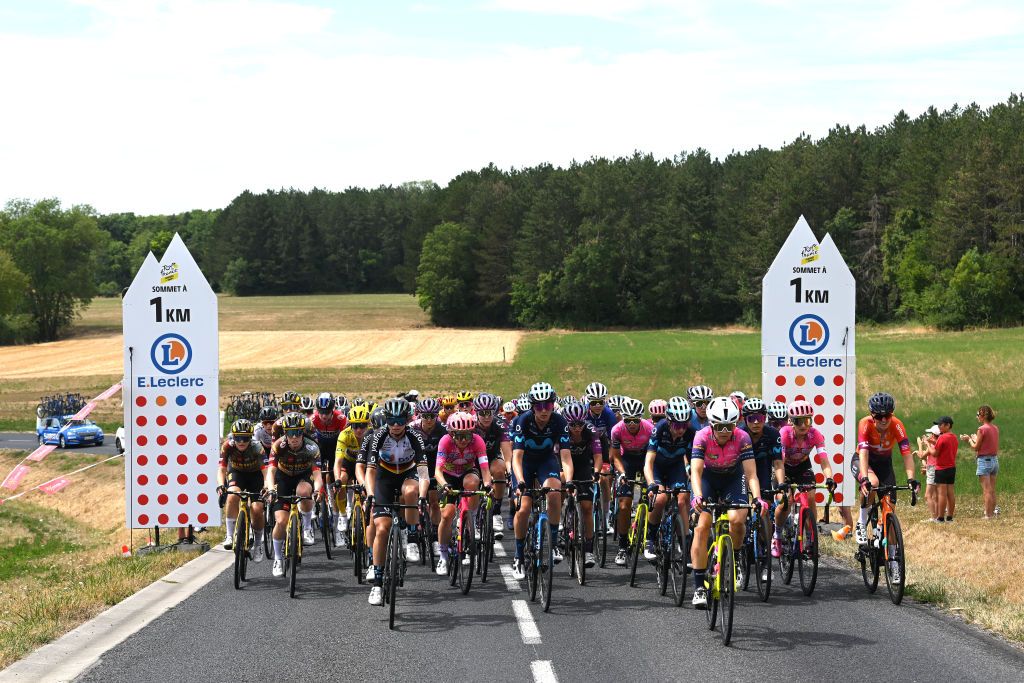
924,445
944,454
986,445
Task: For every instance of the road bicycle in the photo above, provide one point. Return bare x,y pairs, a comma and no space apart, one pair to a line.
356,537
395,566
326,520
800,537
463,548
885,546
292,539
601,520
427,537
672,546
720,578
572,532
485,523
757,548
538,553
636,539
244,534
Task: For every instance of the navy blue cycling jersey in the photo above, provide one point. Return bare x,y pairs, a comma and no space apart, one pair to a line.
602,424
697,424
535,441
668,449
769,446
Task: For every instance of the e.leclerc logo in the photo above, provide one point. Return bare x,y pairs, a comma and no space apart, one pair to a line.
171,354
808,334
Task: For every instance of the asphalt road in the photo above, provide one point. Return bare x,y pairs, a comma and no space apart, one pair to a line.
27,441
605,631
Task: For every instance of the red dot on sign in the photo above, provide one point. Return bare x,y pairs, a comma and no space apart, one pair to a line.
162,480
201,439
838,380
819,400
819,419
144,520
142,441
203,518
201,458
182,459
819,497
837,497
838,419
182,499
837,458
162,440
202,478
142,460
161,420
200,400
800,380
838,477
780,380
838,438
799,397
202,498
163,519
143,499
182,479
161,460
181,419
140,401
183,519
200,419
838,400
141,420
162,499
780,398
182,439
819,477
143,480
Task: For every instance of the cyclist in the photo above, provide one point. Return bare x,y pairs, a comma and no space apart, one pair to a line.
585,451
667,464
459,454
767,445
396,461
522,405
877,434
657,409
328,422
509,412
347,453
341,403
601,420
537,435
722,467
801,444
739,398
291,402
264,430
494,431
629,439
307,406
464,401
615,404
448,402
242,465
293,469
377,424
431,431
699,396
778,414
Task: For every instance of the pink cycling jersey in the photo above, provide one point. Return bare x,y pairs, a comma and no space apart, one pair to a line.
717,458
795,451
631,444
457,461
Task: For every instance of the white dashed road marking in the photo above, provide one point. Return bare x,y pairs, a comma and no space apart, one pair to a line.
527,627
543,672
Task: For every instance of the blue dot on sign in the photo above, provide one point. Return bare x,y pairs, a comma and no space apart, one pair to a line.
181,400
819,380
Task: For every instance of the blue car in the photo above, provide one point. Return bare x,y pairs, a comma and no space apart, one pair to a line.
65,432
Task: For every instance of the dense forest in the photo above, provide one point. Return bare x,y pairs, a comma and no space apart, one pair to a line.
927,211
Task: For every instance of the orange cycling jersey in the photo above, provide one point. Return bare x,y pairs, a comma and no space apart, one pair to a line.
881,445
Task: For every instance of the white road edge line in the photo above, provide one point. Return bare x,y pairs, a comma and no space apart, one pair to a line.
511,583
67,657
543,672
527,627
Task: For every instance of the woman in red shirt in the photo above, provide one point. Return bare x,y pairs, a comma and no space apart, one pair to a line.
944,453
986,445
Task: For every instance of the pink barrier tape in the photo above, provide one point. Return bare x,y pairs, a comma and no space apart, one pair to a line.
55,480
109,392
84,412
38,454
53,486
15,477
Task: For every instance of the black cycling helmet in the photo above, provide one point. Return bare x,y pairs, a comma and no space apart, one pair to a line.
882,403
397,409
754,406
268,414
377,418
293,421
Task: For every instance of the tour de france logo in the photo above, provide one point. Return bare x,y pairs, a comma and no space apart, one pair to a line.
171,354
808,334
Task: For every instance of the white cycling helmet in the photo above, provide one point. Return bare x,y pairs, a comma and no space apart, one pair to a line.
595,391
540,392
701,392
678,409
632,408
523,404
777,410
722,410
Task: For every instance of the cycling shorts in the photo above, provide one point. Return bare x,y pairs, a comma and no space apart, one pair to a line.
349,467
671,473
730,487
387,489
286,485
882,467
765,473
632,464
801,473
540,469
456,482
246,481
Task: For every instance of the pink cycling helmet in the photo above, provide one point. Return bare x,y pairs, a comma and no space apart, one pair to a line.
801,409
460,422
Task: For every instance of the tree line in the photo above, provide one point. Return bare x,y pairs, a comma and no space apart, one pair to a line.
927,211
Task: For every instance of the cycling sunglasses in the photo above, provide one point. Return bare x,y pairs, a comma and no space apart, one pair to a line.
462,436
724,427
800,421
360,425
242,439
577,425
881,416
396,421
544,405
755,418
428,416
700,404
596,402
631,420
485,413
292,432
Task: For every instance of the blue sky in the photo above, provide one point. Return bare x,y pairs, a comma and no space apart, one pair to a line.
157,106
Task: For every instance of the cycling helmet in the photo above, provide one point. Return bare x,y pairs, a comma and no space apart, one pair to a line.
306,403
523,404
754,406
882,403
325,402
460,422
777,410
290,399
738,394
464,397
268,414
359,401
509,407
801,409
542,391
575,412
486,402
678,409
413,396
341,403
377,418
701,392
657,407
428,405
293,421
359,415
615,402
448,401
595,391
722,410
397,408
632,408
242,428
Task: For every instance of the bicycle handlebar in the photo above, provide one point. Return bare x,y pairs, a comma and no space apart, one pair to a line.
891,488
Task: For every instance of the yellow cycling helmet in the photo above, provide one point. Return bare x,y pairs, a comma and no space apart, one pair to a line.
360,415
448,401
464,397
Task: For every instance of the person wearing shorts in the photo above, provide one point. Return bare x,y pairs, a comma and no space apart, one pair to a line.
944,453
985,443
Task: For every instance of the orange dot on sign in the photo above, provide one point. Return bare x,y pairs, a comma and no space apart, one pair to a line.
163,519
183,519
144,520
203,518
838,438
819,497
838,400
838,419
800,380
161,400
780,380
838,477
819,477
837,497
837,458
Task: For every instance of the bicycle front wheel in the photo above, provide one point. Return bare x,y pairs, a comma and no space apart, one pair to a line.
358,532
664,542
292,551
394,567
579,544
530,559
763,558
895,566
326,529
241,542
712,580
679,555
807,560
727,590
786,559
467,554
601,527
546,568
